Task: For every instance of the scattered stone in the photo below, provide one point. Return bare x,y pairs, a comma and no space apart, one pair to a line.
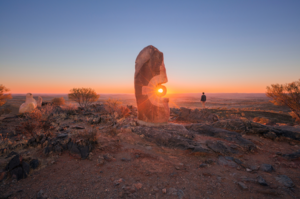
34,163
203,165
271,135
77,127
41,195
218,147
267,168
180,194
62,135
242,185
172,191
261,181
268,192
125,159
248,170
254,167
117,182
164,190
285,180
138,185
100,160
294,155
179,166
226,161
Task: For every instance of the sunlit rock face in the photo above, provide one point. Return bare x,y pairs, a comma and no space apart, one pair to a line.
39,101
150,73
29,105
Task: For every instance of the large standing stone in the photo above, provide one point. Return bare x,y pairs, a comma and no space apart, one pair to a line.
29,105
150,73
40,101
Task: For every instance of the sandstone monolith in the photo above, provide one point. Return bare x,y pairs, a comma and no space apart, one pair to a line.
29,105
39,101
150,74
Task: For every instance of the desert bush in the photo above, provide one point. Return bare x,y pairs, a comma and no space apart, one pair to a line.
36,120
261,120
286,95
4,97
112,105
83,96
58,101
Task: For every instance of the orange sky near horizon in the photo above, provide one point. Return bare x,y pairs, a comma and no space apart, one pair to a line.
111,89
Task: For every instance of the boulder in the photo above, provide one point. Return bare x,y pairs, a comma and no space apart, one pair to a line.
29,105
39,101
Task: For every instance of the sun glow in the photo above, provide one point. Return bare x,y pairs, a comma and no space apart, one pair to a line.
160,90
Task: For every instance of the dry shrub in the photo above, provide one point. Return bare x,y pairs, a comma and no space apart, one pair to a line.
69,109
36,120
124,111
297,119
112,105
58,101
261,120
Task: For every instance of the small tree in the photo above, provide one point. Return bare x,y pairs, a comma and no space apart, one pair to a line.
286,95
58,101
83,96
4,97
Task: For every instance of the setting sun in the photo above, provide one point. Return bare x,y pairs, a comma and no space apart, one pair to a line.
160,90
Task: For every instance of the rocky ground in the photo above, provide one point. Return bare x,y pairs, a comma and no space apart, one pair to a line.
102,152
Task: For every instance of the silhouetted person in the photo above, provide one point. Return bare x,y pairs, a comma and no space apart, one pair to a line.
203,100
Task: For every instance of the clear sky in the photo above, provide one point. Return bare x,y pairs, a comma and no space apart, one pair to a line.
212,46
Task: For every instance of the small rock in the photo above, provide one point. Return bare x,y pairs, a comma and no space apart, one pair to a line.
41,195
172,191
261,181
138,185
285,180
125,159
254,167
77,127
164,190
242,185
180,194
248,170
34,163
179,166
266,168
62,135
117,182
203,165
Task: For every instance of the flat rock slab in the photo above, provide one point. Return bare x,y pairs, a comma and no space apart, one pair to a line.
223,134
226,161
285,180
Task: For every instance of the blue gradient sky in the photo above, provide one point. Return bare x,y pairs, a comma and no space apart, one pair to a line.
212,46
